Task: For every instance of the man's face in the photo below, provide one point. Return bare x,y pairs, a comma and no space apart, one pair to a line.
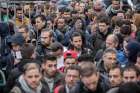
109,60
82,7
129,76
50,68
110,43
69,61
24,33
78,24
115,77
91,82
19,14
39,23
15,47
102,27
49,24
66,15
33,77
72,76
116,5
60,23
77,42
98,5
46,38
120,15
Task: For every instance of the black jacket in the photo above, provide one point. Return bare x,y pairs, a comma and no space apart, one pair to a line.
80,88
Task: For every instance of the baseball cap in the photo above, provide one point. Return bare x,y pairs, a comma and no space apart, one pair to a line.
70,53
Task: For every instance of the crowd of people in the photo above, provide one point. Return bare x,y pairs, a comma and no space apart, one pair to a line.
70,46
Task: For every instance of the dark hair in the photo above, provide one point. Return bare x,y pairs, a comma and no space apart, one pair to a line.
88,69
27,51
75,34
74,67
45,30
19,9
56,46
49,57
129,87
85,58
25,27
42,17
103,19
115,66
131,68
125,29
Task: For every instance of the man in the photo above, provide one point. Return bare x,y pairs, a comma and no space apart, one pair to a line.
61,29
23,29
72,75
21,19
52,77
30,80
130,74
77,44
98,39
70,58
115,78
109,59
40,24
113,8
46,39
90,80
57,50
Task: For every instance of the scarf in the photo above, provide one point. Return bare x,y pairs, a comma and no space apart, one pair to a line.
26,87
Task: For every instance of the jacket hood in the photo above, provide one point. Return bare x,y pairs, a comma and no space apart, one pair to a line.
17,39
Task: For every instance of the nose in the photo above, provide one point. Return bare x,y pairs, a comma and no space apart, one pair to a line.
33,79
112,79
53,68
71,78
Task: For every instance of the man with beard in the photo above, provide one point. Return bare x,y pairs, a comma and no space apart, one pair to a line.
77,44
46,39
72,75
51,76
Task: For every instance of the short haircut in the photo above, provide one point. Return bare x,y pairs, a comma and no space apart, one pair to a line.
42,17
110,50
56,46
31,65
19,9
74,67
115,38
131,68
25,27
115,66
85,58
88,69
49,57
103,19
115,0
45,30
27,51
75,34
